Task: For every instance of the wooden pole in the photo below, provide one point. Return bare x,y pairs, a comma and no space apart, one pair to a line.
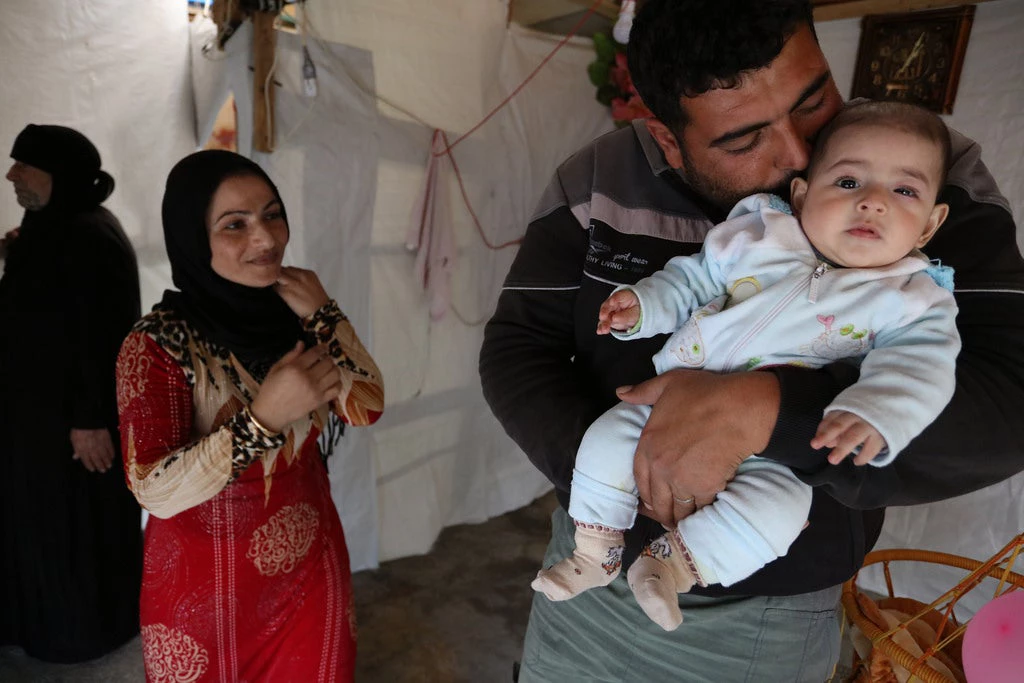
264,43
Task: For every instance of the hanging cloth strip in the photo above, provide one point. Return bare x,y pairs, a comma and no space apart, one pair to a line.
431,233
431,230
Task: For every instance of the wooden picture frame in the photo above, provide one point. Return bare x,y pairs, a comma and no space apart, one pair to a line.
913,57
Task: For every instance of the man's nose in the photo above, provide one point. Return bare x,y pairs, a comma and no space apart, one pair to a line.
794,149
13,173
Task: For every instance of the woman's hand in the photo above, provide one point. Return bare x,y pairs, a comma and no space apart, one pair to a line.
301,290
7,240
93,448
296,385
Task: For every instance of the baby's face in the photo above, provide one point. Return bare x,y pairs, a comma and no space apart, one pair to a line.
871,200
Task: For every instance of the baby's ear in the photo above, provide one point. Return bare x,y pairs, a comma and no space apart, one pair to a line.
797,195
935,219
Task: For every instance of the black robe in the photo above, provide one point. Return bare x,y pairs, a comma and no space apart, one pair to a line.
70,539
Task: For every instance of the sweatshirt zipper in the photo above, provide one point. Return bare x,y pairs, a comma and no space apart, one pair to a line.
757,328
815,281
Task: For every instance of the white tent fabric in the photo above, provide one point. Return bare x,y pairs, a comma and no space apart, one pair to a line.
349,168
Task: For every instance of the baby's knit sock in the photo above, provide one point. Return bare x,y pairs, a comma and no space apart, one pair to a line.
663,570
595,562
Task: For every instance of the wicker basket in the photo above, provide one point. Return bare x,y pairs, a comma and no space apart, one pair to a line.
949,632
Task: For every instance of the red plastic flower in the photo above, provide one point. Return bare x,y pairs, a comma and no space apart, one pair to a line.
619,76
627,110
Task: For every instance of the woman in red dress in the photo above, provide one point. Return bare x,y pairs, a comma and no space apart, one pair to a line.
223,390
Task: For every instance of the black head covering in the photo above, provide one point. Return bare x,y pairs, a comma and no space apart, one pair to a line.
79,186
73,161
254,323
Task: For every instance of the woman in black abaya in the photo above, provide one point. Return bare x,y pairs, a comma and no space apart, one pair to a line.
70,536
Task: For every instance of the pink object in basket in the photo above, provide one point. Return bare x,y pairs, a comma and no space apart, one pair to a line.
993,650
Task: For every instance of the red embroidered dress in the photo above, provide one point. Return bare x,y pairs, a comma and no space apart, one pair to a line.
246,574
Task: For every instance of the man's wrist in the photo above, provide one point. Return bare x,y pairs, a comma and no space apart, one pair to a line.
804,394
764,398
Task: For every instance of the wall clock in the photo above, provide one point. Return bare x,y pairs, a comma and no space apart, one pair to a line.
914,57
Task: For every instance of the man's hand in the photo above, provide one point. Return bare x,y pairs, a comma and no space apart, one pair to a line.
843,432
93,448
619,312
702,426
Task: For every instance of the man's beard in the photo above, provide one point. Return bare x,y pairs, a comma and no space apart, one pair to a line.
720,194
29,200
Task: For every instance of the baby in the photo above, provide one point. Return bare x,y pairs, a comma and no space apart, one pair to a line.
838,276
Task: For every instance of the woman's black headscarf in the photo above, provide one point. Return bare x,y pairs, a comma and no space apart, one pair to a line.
254,323
78,185
72,161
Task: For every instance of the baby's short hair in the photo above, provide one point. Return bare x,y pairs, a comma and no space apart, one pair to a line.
901,116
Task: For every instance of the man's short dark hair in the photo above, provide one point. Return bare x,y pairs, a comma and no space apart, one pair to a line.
685,48
900,116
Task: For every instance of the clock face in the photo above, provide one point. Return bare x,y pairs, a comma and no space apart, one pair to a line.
913,58
911,63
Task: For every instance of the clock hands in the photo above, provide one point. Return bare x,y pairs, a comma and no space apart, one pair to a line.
910,58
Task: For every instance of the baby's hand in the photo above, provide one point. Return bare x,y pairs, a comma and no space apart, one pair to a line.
620,311
843,432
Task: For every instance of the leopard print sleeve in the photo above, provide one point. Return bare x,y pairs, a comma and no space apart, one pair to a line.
167,468
362,393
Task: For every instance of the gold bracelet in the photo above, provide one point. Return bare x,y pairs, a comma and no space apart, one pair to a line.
262,428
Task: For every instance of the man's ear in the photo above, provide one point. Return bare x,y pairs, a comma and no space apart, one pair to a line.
797,195
667,141
936,219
